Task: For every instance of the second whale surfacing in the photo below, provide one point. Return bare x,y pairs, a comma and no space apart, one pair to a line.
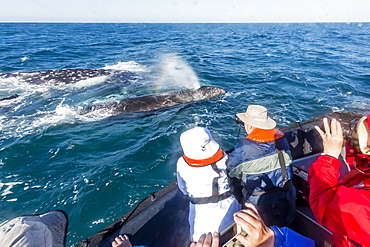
66,76
157,101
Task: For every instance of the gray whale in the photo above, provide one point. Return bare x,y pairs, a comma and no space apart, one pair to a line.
66,76
157,101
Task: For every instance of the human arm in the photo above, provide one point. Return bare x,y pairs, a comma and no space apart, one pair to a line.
323,179
324,172
180,181
234,182
282,143
287,237
244,150
181,184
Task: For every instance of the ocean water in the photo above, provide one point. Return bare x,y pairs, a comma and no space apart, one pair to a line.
97,165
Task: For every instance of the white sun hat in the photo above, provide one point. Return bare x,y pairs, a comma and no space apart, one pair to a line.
197,143
256,116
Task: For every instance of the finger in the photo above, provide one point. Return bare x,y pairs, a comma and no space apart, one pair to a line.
249,211
253,209
333,124
242,239
201,239
339,129
321,133
216,240
326,126
246,222
245,215
208,240
336,128
193,244
118,240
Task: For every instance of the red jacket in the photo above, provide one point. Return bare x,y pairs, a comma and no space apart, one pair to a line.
353,156
343,210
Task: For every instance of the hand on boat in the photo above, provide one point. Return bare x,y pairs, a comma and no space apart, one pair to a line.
258,234
332,138
207,240
121,241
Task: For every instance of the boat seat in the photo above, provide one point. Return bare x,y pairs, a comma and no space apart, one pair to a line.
303,141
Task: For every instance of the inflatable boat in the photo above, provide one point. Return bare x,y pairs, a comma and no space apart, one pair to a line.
161,219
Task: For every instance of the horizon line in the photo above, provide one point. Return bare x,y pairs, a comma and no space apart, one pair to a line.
253,22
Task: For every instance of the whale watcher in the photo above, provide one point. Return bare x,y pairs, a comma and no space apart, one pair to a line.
259,168
255,233
201,175
42,230
341,205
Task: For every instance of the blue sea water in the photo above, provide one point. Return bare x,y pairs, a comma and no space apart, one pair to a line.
96,166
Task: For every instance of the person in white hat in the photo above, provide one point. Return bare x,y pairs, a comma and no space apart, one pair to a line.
201,174
259,168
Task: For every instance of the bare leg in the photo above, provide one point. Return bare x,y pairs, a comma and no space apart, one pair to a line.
121,241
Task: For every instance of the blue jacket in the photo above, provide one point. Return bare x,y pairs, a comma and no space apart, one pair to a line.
256,176
248,149
285,237
250,152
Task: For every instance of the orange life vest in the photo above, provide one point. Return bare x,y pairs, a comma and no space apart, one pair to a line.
262,135
198,163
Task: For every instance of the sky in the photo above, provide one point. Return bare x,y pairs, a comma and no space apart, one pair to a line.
185,11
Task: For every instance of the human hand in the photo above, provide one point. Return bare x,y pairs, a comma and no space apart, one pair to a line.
332,139
121,241
207,240
258,234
